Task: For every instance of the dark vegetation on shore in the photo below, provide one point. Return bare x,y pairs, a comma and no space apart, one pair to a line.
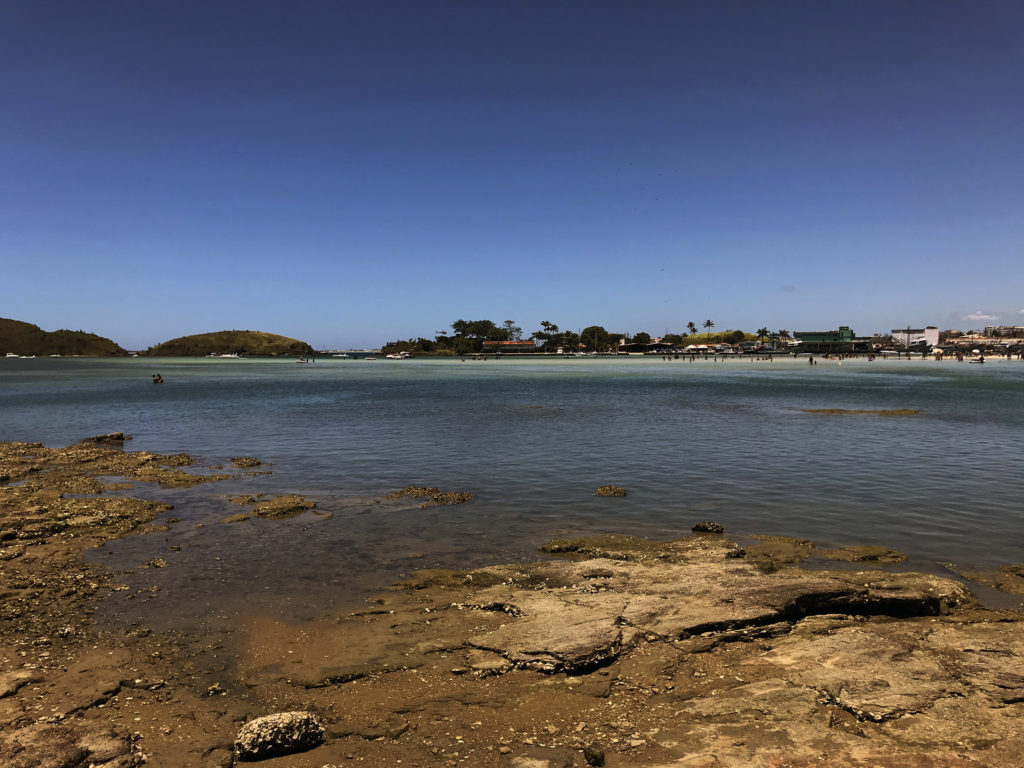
467,337
230,342
20,338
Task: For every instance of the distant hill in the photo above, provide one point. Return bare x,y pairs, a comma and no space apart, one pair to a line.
21,338
230,342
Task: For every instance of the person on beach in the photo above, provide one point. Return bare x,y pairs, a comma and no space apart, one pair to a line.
158,379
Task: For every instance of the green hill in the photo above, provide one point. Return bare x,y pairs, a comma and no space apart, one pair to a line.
230,342
21,338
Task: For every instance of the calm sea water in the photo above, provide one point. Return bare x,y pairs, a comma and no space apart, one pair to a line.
728,441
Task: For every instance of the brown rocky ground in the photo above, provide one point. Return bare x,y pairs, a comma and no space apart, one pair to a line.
614,650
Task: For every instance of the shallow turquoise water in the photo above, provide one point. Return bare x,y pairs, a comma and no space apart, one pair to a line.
532,439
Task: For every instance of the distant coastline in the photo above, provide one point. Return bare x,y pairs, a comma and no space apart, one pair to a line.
485,338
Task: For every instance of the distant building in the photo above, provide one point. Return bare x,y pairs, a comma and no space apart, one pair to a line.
916,337
826,341
510,346
1011,331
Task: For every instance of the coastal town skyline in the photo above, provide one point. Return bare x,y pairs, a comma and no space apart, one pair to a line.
350,174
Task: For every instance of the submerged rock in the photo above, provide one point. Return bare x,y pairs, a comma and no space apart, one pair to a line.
771,552
111,437
1006,578
281,507
865,554
279,734
434,496
610,490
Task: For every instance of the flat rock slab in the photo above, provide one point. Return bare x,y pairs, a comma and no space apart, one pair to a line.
42,745
599,606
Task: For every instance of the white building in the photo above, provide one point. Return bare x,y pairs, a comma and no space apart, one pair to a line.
915,337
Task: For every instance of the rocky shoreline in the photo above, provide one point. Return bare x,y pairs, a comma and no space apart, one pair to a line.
612,650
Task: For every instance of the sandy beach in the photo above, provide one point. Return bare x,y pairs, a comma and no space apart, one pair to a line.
606,651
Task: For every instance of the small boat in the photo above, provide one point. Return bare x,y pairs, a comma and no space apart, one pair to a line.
397,356
342,356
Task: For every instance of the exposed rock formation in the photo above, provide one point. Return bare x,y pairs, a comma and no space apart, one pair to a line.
279,734
687,653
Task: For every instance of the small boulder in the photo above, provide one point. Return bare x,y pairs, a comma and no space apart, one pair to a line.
708,526
610,490
280,734
594,754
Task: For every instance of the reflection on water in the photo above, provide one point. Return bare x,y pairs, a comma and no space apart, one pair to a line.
732,441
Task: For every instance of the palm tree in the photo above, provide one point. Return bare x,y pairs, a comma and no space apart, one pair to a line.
709,324
691,327
761,333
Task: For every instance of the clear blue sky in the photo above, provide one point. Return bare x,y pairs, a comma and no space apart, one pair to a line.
354,172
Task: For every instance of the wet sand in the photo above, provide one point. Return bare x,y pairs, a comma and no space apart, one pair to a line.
607,650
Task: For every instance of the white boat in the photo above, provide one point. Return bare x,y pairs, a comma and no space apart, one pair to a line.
397,356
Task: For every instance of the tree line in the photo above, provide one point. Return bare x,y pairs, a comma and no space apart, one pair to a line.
467,337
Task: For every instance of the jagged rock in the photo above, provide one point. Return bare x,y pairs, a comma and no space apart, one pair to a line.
610,490
708,526
278,734
243,462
